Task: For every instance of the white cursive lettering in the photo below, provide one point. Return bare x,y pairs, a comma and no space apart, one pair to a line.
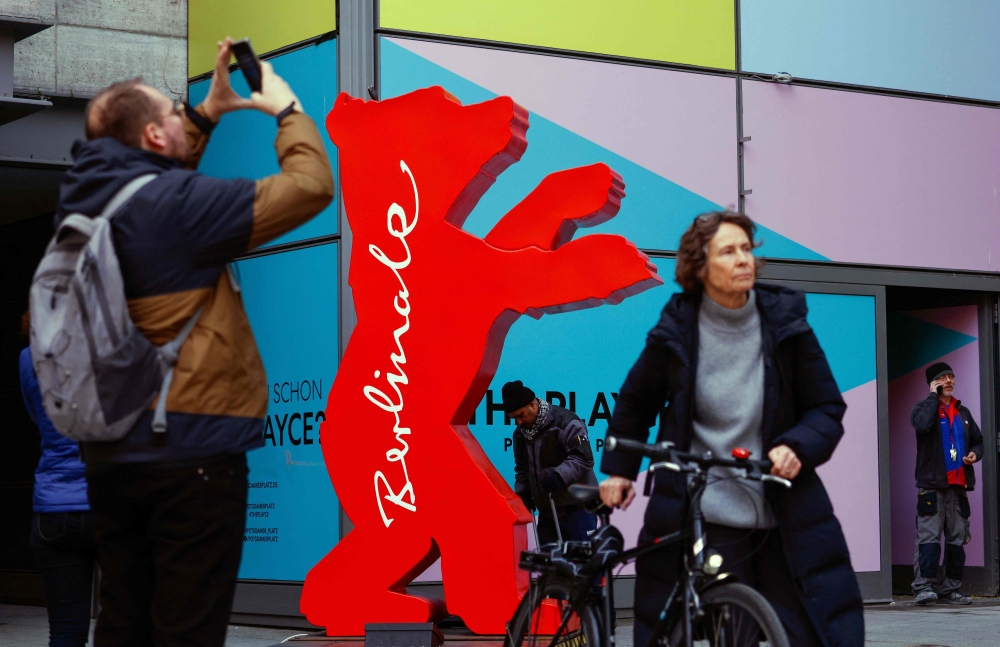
396,215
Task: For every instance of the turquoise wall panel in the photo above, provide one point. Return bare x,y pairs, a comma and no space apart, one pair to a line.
242,145
845,327
933,46
293,517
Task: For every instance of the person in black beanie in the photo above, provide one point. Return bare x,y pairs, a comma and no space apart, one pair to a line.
551,452
948,443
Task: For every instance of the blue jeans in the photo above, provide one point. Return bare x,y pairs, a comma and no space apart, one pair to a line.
64,549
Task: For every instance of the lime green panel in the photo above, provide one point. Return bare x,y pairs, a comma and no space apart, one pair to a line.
695,32
269,24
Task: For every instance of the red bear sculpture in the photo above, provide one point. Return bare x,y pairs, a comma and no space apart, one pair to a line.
434,304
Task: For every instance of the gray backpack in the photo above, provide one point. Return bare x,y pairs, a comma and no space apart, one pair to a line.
96,372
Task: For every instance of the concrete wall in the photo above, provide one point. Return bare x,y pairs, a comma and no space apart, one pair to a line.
97,42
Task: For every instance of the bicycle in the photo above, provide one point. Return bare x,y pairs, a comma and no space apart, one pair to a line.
571,601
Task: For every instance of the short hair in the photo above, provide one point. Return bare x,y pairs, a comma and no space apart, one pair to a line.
121,111
692,254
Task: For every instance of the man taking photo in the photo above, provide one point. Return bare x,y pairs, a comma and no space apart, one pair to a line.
551,452
169,508
948,443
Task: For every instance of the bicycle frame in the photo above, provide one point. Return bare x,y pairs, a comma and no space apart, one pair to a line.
695,578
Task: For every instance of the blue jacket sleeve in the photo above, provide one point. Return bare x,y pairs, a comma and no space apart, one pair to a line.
817,395
29,384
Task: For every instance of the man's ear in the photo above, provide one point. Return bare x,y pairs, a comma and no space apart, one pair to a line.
153,137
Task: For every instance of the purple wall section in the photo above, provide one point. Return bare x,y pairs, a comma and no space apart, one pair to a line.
679,126
903,393
862,178
851,478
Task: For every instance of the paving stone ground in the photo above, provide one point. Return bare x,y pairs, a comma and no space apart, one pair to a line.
898,625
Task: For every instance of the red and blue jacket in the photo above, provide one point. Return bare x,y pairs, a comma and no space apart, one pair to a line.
934,443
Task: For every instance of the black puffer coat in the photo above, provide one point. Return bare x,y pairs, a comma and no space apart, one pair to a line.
560,445
802,409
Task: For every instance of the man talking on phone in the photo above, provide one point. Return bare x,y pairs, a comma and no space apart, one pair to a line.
948,443
169,508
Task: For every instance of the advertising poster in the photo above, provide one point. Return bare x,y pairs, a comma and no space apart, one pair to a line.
292,512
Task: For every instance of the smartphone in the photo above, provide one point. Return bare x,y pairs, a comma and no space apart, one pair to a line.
248,62
940,389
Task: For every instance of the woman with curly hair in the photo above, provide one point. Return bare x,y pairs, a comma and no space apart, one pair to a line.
737,365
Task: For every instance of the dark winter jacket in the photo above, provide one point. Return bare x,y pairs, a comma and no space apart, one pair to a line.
173,241
560,446
803,409
60,483
930,470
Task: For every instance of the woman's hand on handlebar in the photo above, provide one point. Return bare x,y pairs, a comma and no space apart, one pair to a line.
617,492
784,463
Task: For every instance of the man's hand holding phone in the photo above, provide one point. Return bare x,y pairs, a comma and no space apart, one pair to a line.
275,95
221,97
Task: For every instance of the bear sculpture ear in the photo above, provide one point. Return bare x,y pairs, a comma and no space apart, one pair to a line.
341,121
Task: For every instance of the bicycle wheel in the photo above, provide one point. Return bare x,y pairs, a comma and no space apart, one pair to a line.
547,617
735,616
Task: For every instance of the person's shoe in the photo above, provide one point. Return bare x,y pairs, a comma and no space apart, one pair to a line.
925,597
954,598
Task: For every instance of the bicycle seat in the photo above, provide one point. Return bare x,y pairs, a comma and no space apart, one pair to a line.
585,494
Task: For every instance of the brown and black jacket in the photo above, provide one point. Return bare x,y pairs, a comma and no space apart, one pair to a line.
173,241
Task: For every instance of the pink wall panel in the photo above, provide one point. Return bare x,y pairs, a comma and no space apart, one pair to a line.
851,478
862,178
680,126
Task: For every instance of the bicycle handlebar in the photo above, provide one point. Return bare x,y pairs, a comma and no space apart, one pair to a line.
670,458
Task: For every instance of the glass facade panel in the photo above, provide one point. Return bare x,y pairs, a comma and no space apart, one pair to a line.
242,145
293,518
919,45
864,178
269,24
694,32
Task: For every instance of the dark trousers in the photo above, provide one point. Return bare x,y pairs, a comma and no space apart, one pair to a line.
64,549
575,526
169,545
941,512
757,559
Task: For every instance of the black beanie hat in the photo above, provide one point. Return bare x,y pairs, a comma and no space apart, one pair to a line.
934,371
516,395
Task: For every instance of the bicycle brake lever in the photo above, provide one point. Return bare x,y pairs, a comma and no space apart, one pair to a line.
674,467
776,479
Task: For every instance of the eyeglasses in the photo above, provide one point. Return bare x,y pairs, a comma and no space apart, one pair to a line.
177,109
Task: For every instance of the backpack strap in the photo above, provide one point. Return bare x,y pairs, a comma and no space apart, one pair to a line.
169,353
81,224
125,194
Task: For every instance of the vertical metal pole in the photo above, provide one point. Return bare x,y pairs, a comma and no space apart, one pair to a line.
355,73
740,198
988,329
884,590
555,520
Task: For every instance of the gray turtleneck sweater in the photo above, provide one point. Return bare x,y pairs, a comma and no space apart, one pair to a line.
729,407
